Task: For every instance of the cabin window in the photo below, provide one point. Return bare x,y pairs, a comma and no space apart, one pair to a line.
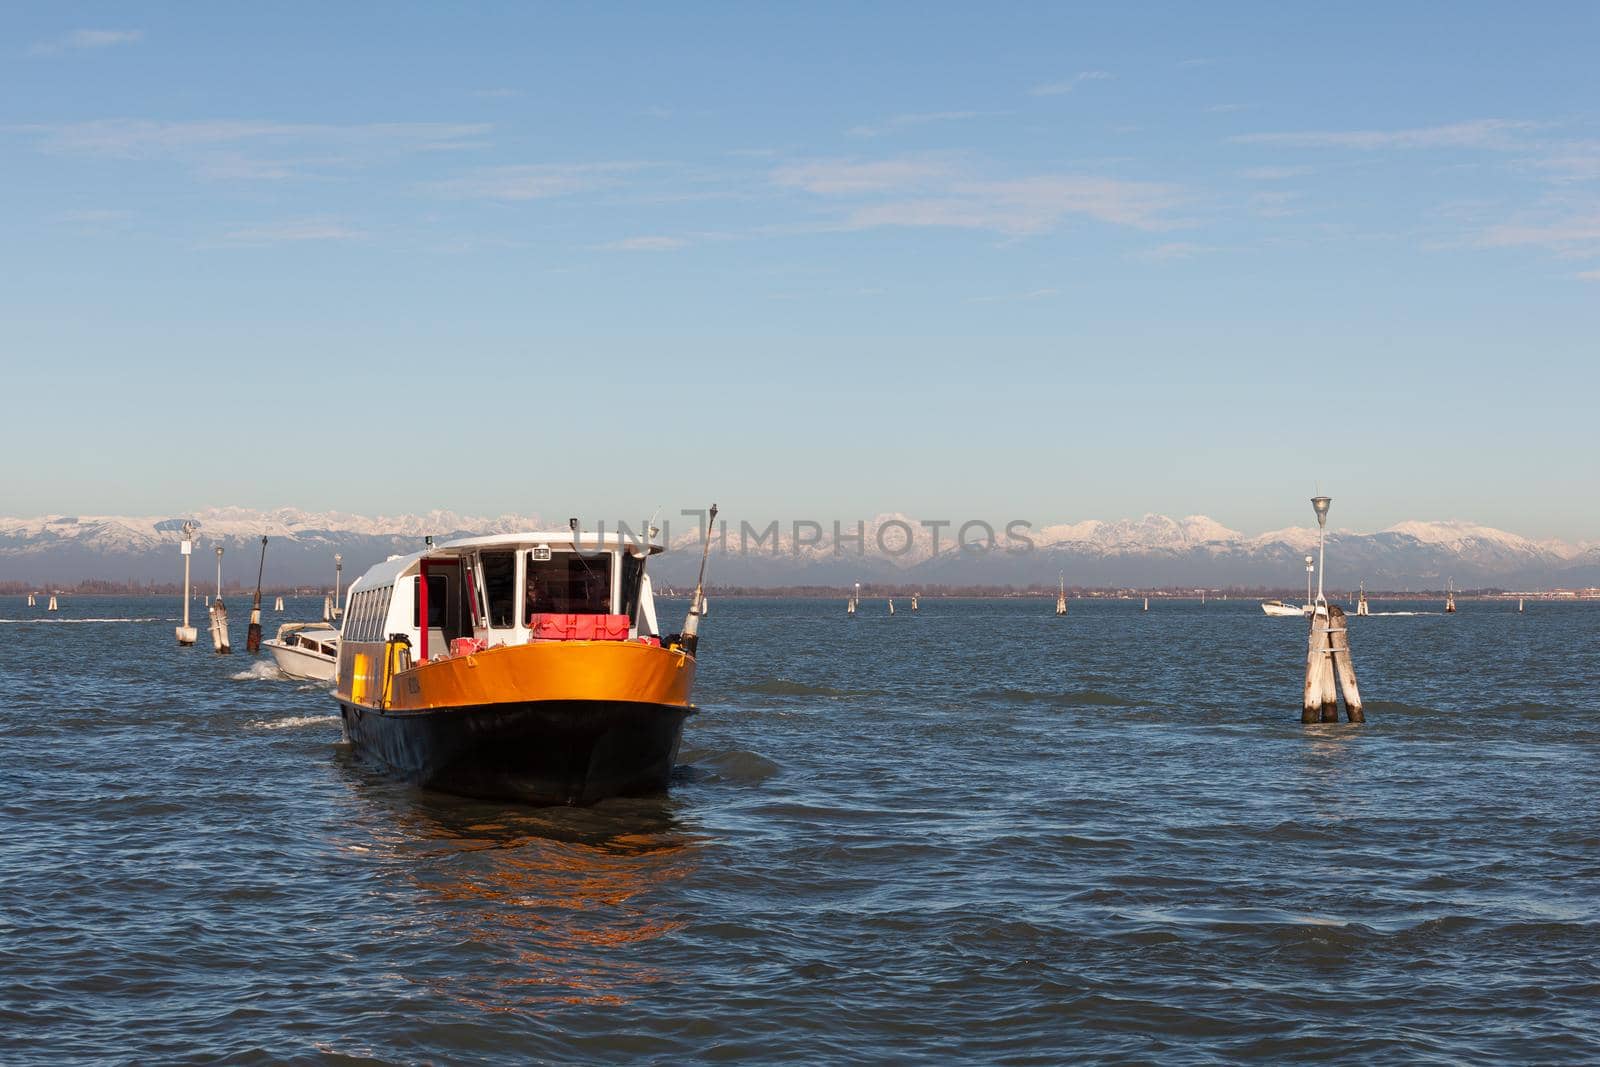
632,578
500,587
381,619
569,584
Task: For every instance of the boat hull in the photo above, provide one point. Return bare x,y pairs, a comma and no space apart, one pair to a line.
300,664
537,752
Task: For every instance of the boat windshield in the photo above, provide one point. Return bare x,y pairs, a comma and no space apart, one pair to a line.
569,583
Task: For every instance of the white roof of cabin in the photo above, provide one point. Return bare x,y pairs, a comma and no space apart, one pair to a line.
380,574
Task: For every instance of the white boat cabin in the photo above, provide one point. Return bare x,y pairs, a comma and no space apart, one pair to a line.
507,589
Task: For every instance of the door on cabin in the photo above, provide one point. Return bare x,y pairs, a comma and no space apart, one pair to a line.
450,604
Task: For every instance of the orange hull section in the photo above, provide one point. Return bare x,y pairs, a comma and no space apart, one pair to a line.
629,672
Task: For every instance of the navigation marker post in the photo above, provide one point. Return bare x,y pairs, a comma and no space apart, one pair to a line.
252,635
186,633
1328,652
219,614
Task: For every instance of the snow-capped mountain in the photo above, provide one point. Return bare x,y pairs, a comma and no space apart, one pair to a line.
1150,551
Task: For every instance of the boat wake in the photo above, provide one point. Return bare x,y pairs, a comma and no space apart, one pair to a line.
259,671
291,723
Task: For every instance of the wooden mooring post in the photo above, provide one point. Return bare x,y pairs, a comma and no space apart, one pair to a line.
1328,659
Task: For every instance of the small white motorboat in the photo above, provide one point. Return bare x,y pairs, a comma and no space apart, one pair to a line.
305,650
1278,609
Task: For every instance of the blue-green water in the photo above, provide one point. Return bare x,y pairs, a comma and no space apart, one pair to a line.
979,833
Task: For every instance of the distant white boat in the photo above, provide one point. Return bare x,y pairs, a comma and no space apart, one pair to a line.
305,650
1279,610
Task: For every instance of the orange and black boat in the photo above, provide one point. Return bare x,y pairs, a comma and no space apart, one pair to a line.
525,666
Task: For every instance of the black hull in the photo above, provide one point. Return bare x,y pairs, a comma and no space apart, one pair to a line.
544,752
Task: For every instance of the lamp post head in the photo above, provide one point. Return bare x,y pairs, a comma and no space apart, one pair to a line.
338,560
188,531
219,551
1320,503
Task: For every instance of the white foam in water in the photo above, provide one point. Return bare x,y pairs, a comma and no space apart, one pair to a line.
59,621
291,723
259,671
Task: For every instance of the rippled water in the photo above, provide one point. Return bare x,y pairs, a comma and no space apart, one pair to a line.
978,833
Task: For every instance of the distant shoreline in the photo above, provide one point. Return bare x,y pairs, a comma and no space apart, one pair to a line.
898,592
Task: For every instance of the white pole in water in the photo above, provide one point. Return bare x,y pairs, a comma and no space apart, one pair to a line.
186,633
219,614
1320,505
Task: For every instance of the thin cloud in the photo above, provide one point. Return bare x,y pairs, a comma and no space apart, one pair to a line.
902,122
934,193
1276,204
1062,87
1478,133
149,138
1007,298
1588,276
645,244
534,181
253,149
1272,174
293,231
83,40
836,177
1571,161
1569,235
1172,252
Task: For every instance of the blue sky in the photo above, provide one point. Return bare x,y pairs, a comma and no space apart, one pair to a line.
1034,261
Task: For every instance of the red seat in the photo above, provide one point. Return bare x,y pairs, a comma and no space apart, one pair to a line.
549,626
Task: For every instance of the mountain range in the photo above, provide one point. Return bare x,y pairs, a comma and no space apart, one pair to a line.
1152,552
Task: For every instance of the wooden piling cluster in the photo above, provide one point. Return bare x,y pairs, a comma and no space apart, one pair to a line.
1330,670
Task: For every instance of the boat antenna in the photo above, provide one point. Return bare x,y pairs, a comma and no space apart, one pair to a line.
691,625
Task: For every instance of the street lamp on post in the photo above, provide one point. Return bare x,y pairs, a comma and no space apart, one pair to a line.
338,579
1320,503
